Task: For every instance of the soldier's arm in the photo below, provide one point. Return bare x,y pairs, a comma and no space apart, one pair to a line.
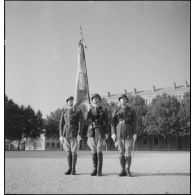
81,120
113,122
134,122
62,122
106,121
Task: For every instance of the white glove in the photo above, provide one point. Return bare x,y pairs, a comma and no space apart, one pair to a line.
78,138
114,137
106,135
134,137
89,107
61,139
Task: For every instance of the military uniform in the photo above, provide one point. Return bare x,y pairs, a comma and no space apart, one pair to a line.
98,127
70,127
123,124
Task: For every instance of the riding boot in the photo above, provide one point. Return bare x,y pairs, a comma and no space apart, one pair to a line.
128,164
100,162
74,161
94,160
69,159
122,163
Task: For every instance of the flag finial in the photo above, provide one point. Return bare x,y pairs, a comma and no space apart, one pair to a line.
82,38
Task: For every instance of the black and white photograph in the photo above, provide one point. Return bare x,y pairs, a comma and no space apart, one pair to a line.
97,97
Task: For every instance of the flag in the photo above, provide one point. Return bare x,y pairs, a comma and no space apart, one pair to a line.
81,87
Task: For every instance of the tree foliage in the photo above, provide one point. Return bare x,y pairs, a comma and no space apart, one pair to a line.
162,117
51,123
21,122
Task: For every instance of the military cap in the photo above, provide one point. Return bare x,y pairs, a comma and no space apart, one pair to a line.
96,95
70,98
123,96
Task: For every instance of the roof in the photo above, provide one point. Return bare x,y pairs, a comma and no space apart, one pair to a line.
180,90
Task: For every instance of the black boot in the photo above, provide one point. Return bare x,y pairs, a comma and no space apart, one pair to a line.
100,162
74,161
128,164
94,159
69,159
122,162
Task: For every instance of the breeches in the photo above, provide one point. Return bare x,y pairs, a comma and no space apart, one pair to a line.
96,144
124,146
71,145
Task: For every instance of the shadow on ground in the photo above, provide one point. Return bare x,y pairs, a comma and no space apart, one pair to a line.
150,174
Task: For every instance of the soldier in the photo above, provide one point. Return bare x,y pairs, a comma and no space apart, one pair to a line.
123,127
70,133
97,133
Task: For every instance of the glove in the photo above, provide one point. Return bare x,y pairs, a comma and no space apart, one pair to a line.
89,106
61,139
134,137
78,138
114,137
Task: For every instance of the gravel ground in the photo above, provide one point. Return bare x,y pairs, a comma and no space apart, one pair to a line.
42,172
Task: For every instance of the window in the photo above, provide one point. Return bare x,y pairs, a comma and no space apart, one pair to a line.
58,145
52,145
145,141
155,140
47,145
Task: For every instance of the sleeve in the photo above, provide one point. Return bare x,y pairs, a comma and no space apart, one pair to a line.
106,121
134,122
90,116
62,122
80,121
113,122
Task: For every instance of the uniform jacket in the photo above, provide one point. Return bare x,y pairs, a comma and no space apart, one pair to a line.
99,117
123,122
71,123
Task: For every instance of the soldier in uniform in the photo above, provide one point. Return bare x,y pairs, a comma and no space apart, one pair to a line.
97,132
123,126
70,129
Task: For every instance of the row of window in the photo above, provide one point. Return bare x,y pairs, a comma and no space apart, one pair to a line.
52,145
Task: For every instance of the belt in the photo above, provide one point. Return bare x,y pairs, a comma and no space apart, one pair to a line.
124,122
97,125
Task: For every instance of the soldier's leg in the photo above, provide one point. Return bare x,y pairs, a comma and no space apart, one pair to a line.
74,149
100,155
121,149
128,145
66,146
91,143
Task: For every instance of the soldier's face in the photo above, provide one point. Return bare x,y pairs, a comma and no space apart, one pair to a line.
96,100
123,101
70,102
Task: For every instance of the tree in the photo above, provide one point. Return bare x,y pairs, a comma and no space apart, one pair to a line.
138,104
52,123
162,117
21,122
184,114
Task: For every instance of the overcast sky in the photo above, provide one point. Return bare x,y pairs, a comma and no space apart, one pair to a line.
130,45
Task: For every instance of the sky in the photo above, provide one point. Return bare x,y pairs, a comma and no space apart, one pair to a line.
130,44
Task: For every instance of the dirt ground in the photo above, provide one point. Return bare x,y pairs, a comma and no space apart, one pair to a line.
42,172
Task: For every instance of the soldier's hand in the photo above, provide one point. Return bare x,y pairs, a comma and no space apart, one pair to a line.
89,107
106,135
114,137
61,139
78,138
134,137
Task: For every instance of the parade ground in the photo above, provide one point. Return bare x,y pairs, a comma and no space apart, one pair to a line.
42,172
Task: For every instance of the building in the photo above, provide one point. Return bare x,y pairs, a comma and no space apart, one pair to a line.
176,90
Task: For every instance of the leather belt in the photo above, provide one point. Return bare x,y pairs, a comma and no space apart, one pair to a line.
124,122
